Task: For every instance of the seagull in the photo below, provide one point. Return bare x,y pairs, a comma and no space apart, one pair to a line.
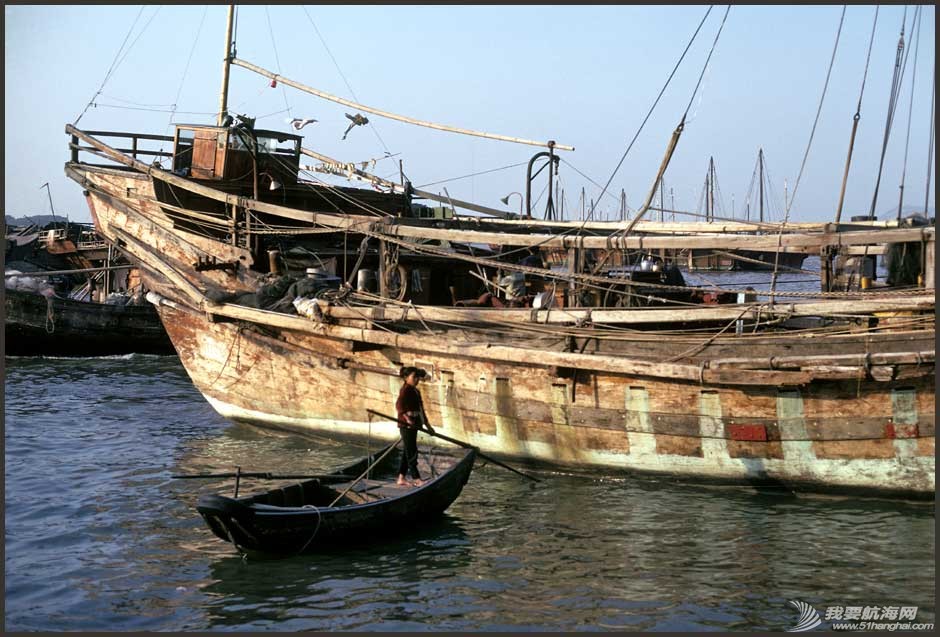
357,120
299,123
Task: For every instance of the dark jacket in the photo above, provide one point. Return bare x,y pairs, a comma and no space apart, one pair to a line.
409,402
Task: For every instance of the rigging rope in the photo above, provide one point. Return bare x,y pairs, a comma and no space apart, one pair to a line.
492,170
674,141
127,52
603,191
126,101
809,145
277,59
707,60
345,81
933,128
192,50
111,69
655,102
856,118
900,61
151,110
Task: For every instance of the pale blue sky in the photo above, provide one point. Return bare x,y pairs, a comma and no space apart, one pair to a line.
584,76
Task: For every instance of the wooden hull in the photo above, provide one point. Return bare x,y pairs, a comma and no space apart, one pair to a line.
751,260
299,518
865,435
766,260
867,427
37,326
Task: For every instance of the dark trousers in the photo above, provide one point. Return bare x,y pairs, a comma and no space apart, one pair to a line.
409,455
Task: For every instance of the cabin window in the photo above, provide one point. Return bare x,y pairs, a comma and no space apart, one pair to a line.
266,144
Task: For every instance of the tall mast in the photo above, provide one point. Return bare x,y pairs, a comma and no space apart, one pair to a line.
760,161
226,65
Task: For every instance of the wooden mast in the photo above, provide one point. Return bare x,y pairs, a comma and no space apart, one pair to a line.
226,65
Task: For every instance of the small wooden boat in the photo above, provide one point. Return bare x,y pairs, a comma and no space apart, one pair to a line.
37,325
340,507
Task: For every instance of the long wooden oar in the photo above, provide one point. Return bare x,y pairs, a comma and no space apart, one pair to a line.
264,476
461,443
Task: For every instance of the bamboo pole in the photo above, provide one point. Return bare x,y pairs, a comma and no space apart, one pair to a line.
381,113
638,316
58,272
673,141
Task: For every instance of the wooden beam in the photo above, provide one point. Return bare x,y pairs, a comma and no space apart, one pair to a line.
381,113
797,242
539,358
700,227
637,316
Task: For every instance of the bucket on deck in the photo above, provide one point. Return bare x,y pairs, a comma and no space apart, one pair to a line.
366,281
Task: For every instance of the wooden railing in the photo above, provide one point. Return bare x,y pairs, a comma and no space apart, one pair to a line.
134,150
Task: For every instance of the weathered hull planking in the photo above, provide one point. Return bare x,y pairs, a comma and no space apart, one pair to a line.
845,435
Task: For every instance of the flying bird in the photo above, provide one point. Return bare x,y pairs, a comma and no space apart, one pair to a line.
357,120
299,123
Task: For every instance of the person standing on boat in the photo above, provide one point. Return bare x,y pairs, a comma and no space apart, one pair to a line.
410,419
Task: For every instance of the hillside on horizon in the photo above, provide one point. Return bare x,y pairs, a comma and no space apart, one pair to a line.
38,220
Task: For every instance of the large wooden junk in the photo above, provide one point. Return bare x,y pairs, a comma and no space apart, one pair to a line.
293,303
843,400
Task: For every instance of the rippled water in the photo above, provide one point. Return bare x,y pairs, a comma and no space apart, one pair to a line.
99,537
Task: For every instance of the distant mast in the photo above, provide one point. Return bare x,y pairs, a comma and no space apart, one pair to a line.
760,161
226,65
711,190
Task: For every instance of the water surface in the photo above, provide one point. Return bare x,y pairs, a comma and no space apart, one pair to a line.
99,537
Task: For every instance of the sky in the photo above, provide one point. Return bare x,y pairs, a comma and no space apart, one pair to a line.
585,76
